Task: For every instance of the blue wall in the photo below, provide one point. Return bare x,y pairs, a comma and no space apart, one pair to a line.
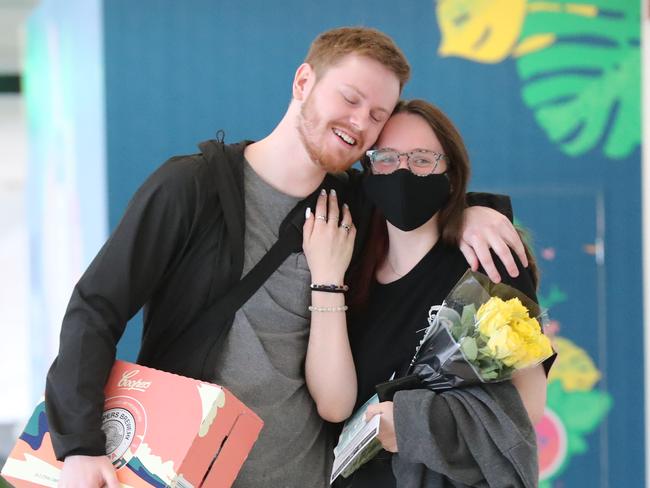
175,72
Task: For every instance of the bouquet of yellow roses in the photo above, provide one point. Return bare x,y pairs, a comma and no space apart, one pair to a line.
482,332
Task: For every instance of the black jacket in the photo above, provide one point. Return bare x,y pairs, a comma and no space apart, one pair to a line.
178,247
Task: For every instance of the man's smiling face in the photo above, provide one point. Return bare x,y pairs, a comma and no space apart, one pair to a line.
345,110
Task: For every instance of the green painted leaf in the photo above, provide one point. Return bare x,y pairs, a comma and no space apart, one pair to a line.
567,24
554,297
585,88
576,444
583,411
580,411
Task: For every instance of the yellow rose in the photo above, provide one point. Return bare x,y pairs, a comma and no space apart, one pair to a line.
516,309
531,351
545,346
512,336
526,327
491,316
517,350
535,352
506,345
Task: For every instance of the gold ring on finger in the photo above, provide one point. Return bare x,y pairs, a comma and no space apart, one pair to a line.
321,217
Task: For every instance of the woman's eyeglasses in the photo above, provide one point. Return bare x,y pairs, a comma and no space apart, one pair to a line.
420,162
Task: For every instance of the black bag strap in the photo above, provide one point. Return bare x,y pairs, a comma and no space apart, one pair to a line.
211,328
221,314
213,325
290,240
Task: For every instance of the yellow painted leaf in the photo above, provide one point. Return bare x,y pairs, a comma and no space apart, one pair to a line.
573,366
533,43
480,30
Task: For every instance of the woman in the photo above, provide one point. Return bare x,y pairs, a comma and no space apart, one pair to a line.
417,178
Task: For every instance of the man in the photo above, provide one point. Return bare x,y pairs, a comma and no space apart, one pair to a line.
200,223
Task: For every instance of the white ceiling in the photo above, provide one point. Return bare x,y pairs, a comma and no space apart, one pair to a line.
13,14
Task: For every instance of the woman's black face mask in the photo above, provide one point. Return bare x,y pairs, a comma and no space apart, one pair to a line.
407,200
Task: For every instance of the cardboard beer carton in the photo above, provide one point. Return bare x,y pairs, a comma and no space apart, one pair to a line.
162,430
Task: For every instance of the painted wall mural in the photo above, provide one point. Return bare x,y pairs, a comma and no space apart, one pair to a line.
574,408
579,63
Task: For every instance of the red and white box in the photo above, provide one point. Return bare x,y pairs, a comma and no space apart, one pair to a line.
162,430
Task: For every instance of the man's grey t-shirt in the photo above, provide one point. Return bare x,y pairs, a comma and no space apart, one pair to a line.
262,360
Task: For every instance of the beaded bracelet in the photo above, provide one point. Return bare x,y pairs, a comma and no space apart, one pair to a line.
329,288
342,308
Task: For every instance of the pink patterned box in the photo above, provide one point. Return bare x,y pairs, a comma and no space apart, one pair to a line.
162,430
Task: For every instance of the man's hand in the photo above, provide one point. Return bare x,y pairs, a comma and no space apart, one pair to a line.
485,229
88,472
386,433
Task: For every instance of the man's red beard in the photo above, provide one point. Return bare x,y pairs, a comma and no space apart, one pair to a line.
308,125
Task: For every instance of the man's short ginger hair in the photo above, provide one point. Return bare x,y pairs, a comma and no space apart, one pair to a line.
333,45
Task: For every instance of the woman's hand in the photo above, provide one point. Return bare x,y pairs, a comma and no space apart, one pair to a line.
485,228
386,434
327,245
329,367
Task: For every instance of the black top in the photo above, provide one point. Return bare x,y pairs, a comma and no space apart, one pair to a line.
174,251
384,339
